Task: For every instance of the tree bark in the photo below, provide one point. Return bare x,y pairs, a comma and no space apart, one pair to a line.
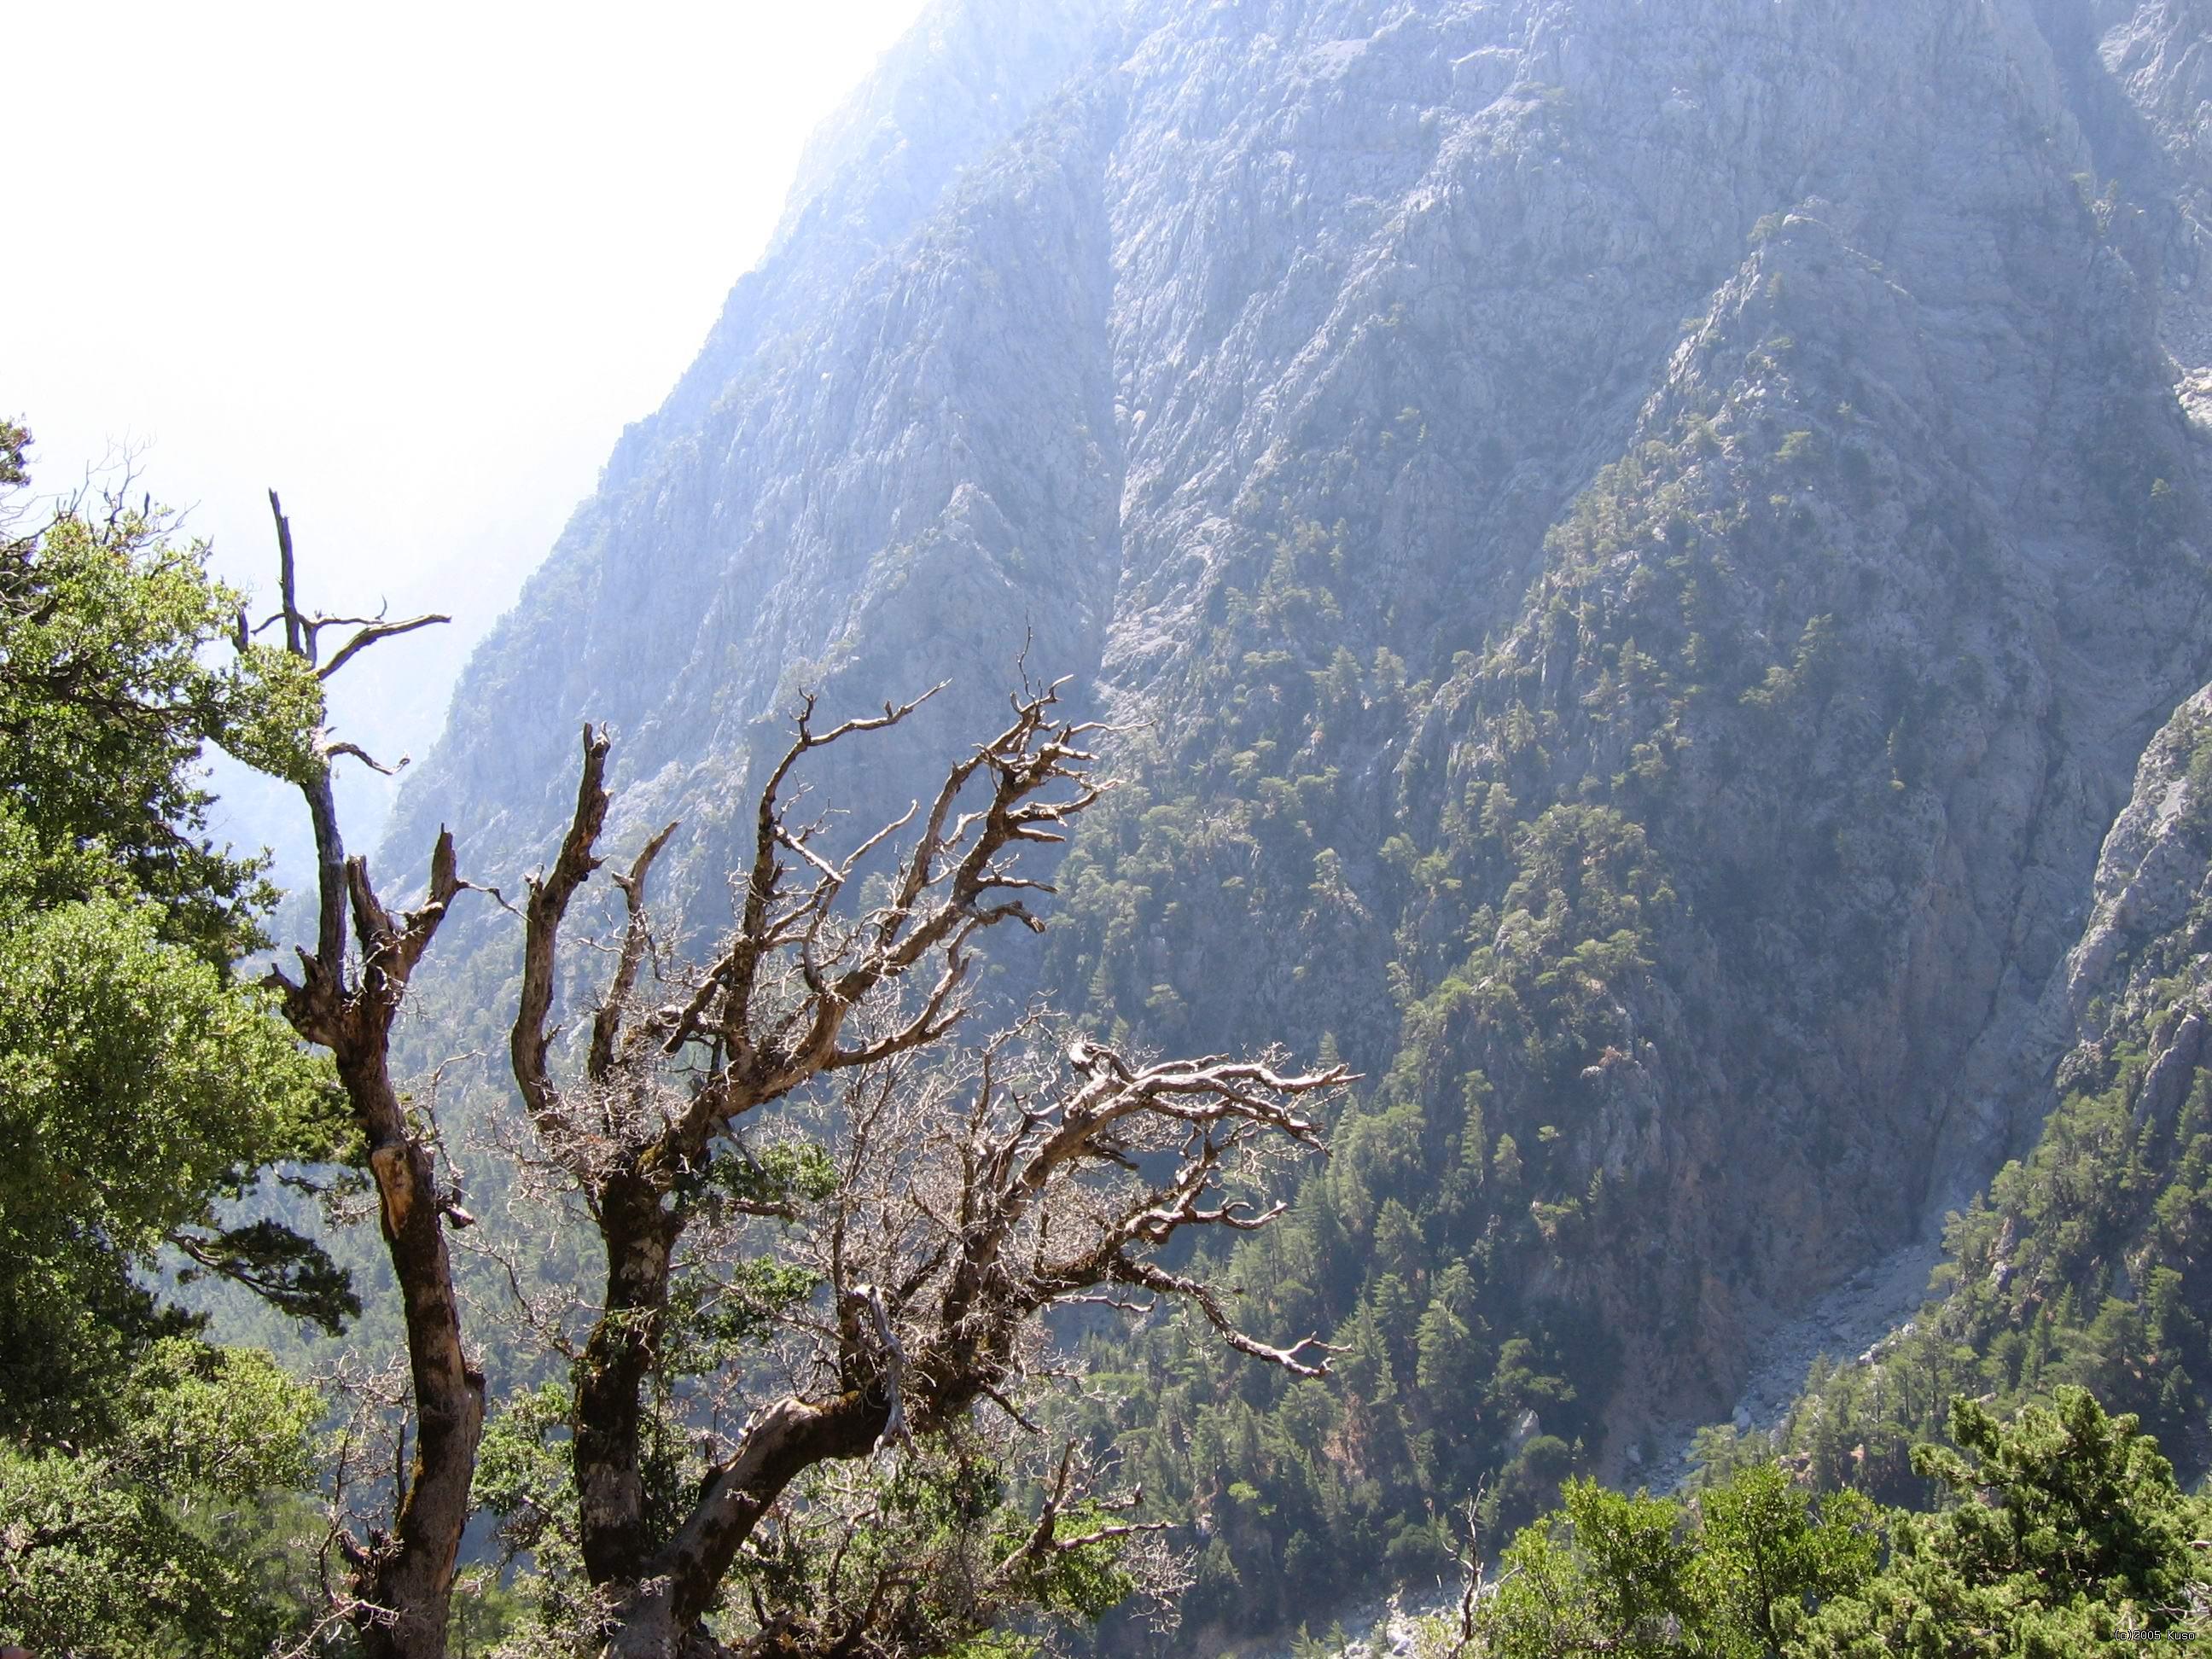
330,869
639,1238
410,1575
402,1581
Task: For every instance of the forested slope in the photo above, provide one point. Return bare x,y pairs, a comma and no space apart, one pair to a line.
1633,551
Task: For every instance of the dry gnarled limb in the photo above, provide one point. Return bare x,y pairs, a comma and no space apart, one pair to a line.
400,1580
949,1225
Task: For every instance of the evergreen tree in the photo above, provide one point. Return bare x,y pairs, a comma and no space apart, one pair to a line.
141,1086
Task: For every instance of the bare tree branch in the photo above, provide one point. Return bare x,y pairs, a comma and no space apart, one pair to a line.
547,904
369,636
331,751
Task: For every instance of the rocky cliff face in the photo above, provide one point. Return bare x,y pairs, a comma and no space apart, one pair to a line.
2150,883
1639,546
2083,1263
758,533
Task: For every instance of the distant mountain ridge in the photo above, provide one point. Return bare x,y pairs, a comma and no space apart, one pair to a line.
1636,548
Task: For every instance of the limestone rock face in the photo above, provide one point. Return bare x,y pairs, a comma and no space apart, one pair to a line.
2138,971
2150,873
1636,548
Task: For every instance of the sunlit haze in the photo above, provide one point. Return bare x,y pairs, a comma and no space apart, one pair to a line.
414,265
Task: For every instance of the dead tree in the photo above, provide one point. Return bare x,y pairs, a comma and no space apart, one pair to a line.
401,1579
954,1225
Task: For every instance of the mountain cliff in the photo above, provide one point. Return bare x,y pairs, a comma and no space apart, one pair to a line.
2082,1264
1633,551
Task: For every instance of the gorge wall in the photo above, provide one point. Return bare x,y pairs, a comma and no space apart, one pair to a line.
1633,549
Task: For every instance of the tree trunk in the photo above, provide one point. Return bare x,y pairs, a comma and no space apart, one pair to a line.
640,1238
656,1615
411,1573
646,1626
402,1581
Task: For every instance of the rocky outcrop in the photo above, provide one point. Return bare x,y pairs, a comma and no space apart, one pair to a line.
2151,68
2150,873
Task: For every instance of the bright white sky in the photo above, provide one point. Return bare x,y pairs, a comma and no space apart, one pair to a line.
414,265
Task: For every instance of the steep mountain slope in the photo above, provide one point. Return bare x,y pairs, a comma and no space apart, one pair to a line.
2084,1264
746,538
1636,548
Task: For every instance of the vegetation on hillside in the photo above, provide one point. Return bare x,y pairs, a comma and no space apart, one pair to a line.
1644,873
2061,1532
795,1423
803,1411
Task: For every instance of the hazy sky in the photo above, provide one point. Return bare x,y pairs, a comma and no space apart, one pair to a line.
413,265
